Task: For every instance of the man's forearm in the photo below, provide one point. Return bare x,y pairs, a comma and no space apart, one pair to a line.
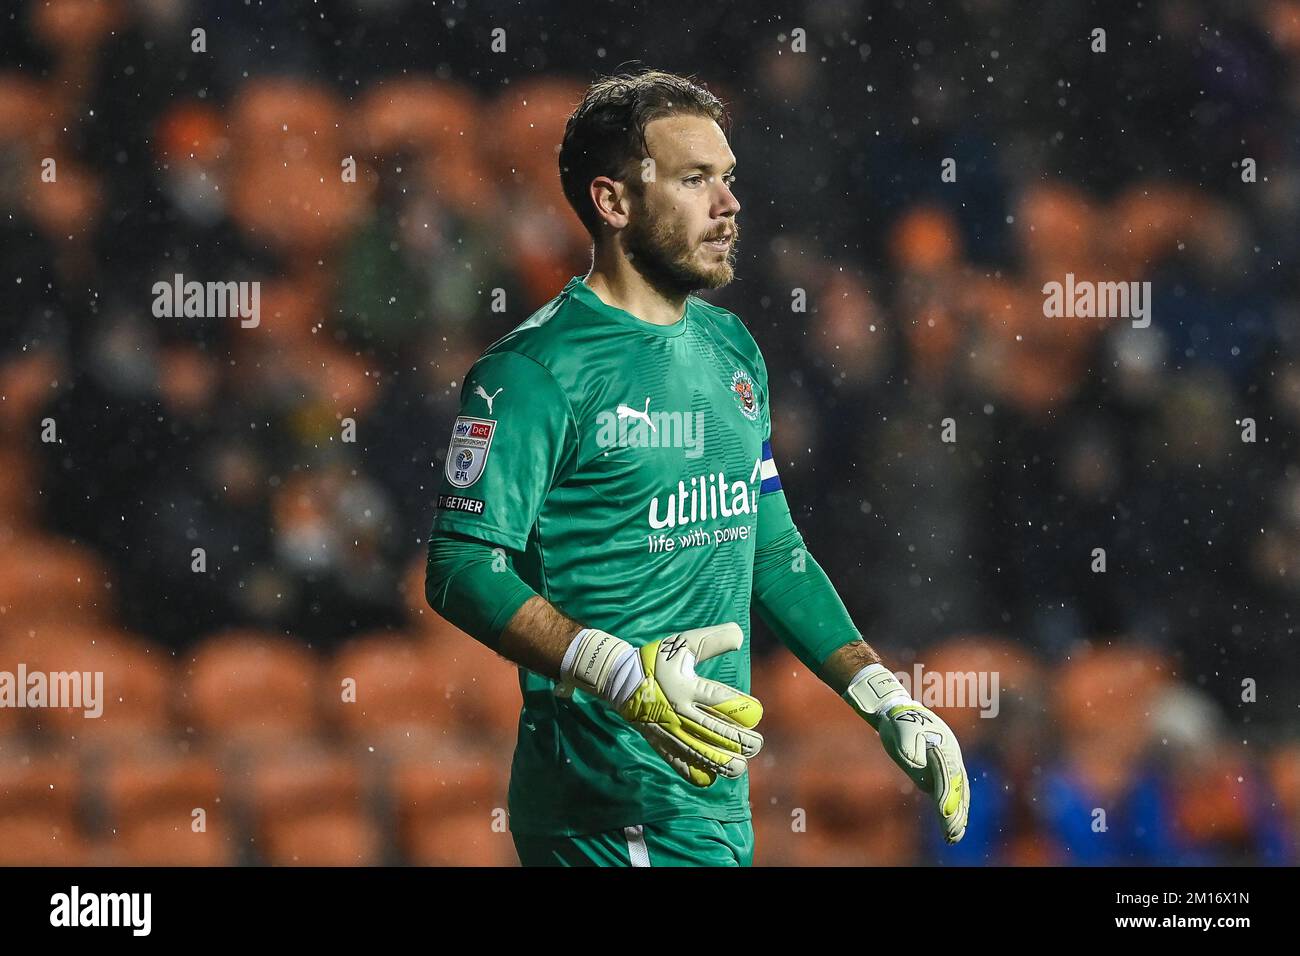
841,667
539,634
469,585
537,637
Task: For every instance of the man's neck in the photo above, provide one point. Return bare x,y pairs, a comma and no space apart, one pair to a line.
617,284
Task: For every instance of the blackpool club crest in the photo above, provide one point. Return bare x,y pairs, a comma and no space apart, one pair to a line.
471,440
743,387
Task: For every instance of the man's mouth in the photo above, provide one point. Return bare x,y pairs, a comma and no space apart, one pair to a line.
721,244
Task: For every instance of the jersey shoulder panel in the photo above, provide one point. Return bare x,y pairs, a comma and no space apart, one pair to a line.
557,336
731,328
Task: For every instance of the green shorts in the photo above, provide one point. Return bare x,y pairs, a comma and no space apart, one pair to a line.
681,841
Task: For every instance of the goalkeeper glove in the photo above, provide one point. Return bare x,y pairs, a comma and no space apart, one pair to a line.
918,741
703,728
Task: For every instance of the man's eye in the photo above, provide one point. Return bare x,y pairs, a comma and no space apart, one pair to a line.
699,178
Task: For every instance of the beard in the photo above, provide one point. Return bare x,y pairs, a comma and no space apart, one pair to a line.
671,262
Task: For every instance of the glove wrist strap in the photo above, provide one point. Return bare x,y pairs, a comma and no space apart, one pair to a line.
873,690
601,664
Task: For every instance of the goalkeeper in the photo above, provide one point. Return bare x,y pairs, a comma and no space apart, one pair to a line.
610,504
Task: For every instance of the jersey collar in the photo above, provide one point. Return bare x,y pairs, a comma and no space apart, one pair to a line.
585,294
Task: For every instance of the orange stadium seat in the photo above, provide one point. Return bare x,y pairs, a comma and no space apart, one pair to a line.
23,107
133,697
75,206
252,688
339,380
458,180
295,207
1056,227
41,840
46,785
400,701
1152,219
325,838
75,26
11,724
458,838
1020,680
429,116
439,121
150,806
39,801
524,128
797,705
1101,700
166,841
858,810
287,119
312,809
479,688
190,133
925,239
1107,691
451,811
18,499
47,580
1212,798
1284,777
290,309
289,135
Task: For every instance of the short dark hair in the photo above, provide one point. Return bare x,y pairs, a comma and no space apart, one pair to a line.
605,136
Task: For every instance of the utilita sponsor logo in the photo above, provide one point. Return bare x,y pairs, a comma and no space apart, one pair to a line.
706,498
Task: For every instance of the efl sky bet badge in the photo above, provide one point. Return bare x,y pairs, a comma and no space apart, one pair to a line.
471,439
743,386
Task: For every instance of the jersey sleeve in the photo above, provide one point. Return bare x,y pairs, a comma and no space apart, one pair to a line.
771,481
512,442
773,512
792,593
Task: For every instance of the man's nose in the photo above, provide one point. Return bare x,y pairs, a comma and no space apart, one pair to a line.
730,204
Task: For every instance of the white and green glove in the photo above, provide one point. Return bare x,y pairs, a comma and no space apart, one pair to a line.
918,741
703,728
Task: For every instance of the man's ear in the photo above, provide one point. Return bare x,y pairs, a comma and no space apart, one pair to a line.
611,199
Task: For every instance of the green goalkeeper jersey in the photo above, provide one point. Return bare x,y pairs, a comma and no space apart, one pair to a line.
622,462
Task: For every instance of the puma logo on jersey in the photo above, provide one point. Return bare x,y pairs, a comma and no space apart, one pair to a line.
624,411
628,427
478,390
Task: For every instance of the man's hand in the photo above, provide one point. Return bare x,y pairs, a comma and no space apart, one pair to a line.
703,728
918,741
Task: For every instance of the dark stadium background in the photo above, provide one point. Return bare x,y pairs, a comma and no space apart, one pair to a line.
1121,691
